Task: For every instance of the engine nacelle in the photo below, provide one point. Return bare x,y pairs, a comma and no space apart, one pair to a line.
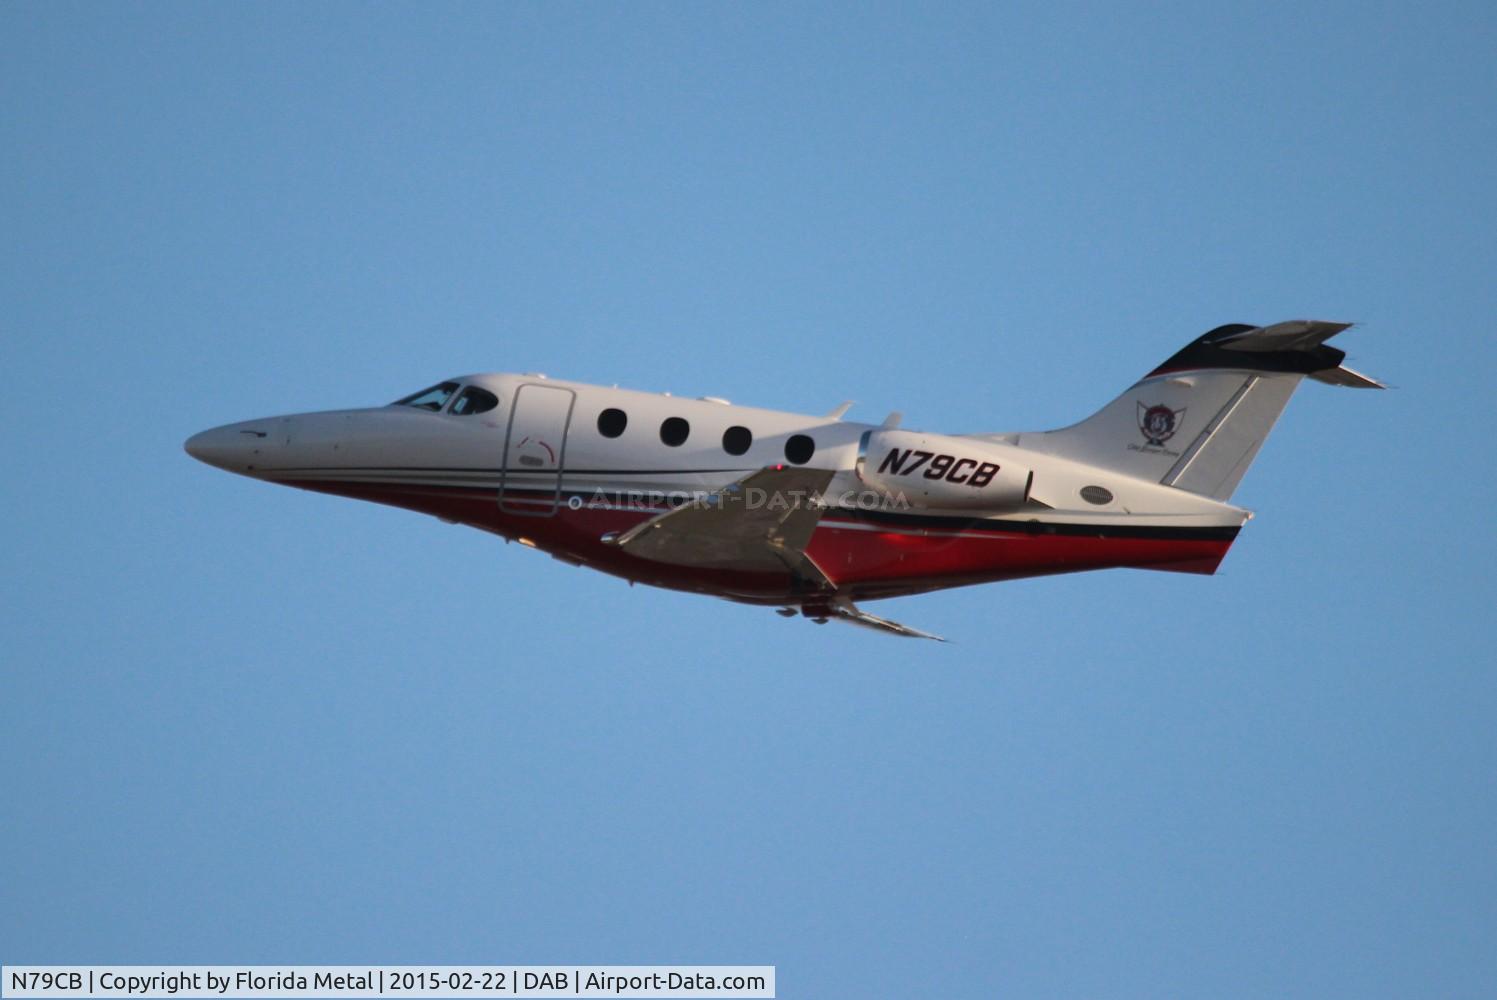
934,470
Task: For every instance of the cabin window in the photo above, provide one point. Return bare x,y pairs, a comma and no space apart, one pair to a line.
611,422
474,400
799,449
674,431
737,440
432,399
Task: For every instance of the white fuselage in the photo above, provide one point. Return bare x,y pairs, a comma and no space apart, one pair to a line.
550,464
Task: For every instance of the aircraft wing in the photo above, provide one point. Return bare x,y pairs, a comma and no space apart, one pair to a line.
843,610
763,523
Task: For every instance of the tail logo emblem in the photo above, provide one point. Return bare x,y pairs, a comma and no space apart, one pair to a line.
1158,423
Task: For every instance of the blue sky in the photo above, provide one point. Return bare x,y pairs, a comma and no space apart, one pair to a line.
250,725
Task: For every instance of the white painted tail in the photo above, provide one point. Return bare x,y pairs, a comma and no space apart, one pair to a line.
1197,421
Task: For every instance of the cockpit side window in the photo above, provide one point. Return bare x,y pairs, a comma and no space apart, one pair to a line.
432,399
474,400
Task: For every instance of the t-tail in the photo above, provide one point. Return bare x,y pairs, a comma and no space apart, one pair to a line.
1196,422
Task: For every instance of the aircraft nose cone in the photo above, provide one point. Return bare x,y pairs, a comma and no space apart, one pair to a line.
200,446
234,447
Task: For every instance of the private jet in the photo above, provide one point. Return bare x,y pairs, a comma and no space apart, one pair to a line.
811,514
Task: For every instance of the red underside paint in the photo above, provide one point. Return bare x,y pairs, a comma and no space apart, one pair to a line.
863,563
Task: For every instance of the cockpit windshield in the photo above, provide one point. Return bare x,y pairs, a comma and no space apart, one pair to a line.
474,400
430,399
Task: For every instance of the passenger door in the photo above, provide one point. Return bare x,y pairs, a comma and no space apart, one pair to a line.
535,446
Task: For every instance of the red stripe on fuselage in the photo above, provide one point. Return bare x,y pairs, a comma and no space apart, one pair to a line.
863,560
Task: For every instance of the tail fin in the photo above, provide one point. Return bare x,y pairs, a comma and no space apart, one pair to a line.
1197,421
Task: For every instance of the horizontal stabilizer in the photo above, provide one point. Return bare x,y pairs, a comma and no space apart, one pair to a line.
1293,335
1345,376
1297,347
